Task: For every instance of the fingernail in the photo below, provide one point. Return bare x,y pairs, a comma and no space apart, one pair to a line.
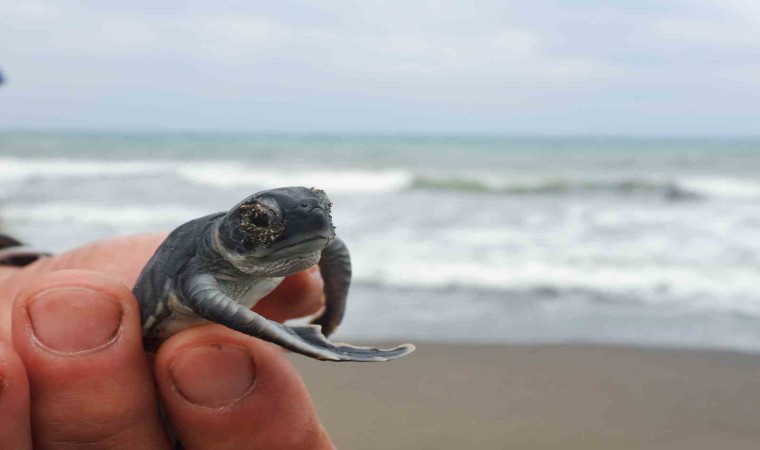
74,319
214,375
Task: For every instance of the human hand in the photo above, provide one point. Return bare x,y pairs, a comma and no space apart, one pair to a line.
76,338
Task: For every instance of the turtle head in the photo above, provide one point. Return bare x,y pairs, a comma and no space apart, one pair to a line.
278,223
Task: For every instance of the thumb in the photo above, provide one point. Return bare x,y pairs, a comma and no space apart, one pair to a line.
222,389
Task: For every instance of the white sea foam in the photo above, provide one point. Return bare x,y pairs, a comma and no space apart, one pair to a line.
17,168
116,216
226,174
721,187
403,259
211,173
537,274
728,289
357,181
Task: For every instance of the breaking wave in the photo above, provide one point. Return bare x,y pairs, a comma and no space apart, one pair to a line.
727,288
227,174
682,188
83,213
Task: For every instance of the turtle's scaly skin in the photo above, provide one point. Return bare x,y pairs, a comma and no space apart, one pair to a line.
217,267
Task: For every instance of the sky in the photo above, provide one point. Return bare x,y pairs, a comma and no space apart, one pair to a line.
582,67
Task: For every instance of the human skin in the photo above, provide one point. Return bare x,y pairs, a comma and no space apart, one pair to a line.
73,372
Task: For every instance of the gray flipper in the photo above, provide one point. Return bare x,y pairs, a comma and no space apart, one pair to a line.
335,267
202,294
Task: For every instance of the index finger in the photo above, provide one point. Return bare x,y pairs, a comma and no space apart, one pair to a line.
299,295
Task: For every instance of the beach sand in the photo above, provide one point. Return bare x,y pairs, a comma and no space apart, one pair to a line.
547,396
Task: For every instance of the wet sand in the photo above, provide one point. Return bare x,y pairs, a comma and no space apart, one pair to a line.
554,396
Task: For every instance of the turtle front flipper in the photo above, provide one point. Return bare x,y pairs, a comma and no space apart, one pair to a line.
312,334
202,294
335,267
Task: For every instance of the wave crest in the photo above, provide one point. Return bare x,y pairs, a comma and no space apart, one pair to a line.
675,189
226,174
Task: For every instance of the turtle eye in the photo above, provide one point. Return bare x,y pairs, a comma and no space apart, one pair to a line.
260,218
259,224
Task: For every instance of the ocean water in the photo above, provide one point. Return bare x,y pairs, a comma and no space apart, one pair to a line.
470,239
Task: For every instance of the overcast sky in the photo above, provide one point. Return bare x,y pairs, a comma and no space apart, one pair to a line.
633,67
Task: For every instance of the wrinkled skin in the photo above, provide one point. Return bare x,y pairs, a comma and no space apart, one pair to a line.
69,380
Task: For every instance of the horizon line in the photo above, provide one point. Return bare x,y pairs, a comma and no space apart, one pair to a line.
374,134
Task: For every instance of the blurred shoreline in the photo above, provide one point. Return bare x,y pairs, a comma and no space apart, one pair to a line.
584,397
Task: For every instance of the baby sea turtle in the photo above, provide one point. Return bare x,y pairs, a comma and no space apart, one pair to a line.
217,267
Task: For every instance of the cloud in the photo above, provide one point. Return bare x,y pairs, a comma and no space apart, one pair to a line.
516,42
502,53
747,74
707,32
240,30
174,62
245,39
32,10
449,51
